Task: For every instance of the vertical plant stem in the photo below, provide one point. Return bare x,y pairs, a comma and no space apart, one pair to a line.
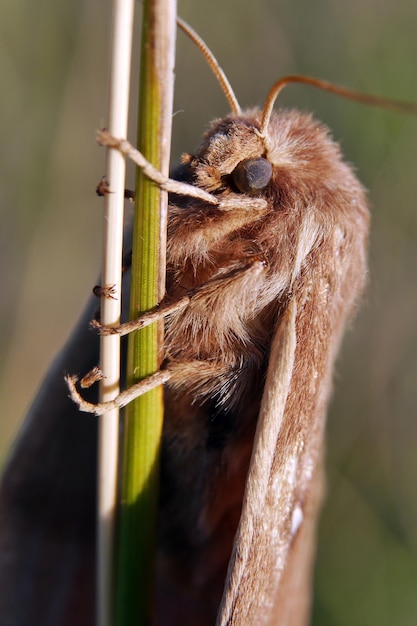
143,418
121,45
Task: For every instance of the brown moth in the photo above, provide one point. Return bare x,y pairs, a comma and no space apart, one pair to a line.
267,239
266,258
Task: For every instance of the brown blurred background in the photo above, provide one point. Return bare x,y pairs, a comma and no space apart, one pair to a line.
53,73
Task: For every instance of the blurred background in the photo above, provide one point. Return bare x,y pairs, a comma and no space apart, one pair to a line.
53,73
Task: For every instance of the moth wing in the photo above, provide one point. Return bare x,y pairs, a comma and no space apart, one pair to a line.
263,575
47,501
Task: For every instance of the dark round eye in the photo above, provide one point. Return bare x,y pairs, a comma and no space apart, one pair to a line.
252,175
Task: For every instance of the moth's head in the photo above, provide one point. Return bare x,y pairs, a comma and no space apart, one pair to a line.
237,157
232,157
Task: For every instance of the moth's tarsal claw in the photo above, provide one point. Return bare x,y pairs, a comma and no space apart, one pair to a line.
104,138
103,330
92,377
103,189
108,292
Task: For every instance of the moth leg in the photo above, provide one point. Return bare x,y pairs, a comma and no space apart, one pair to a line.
122,399
175,372
144,320
107,292
103,188
168,184
93,376
174,186
253,266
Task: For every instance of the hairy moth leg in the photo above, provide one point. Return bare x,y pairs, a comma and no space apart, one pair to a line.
199,294
198,297
144,320
167,184
122,399
249,203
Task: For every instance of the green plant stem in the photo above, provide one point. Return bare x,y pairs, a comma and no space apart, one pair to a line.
144,417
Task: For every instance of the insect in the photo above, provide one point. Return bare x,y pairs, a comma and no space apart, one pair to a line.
266,259
267,244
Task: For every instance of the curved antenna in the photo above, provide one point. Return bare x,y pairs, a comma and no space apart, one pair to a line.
213,63
386,103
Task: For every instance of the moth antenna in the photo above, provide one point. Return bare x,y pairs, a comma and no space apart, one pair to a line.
386,103
214,65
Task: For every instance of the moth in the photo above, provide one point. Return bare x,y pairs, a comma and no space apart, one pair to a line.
266,257
267,247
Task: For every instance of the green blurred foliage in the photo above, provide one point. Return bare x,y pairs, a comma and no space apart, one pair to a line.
53,72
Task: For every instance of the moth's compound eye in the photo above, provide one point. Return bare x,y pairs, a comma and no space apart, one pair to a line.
252,175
